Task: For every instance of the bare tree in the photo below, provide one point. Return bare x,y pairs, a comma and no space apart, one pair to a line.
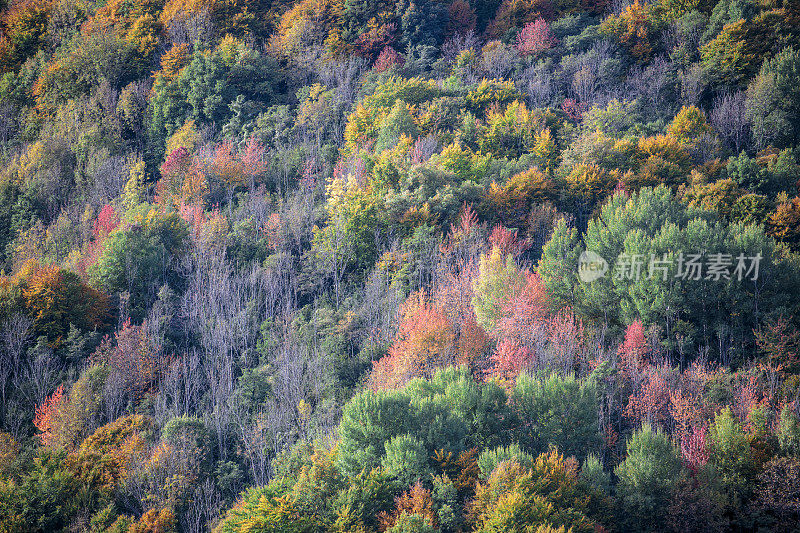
335,252
224,307
538,83
587,75
15,335
618,6
202,509
682,37
41,371
180,390
498,59
728,116
654,86
8,123
109,179
693,83
135,490
424,148
256,437
196,27
115,395
585,83
541,221
378,312
458,43
296,218
344,77
301,376
219,373
452,48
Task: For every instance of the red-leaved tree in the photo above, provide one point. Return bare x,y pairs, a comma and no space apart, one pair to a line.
634,350
508,360
508,240
107,221
651,401
535,37
694,450
387,59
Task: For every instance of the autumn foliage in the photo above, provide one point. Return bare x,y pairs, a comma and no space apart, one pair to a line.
633,352
535,37
424,342
54,298
132,360
320,265
45,413
415,501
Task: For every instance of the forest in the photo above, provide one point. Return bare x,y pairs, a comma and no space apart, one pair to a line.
407,266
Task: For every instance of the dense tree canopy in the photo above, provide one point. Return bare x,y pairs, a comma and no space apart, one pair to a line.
399,266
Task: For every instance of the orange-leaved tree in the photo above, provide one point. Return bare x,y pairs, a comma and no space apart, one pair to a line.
415,501
46,412
454,298
524,314
424,342
56,298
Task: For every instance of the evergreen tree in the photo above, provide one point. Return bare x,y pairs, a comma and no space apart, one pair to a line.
647,478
